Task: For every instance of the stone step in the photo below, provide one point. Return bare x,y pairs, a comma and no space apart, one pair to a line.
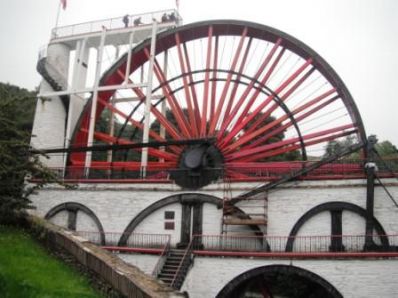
164,275
166,269
176,261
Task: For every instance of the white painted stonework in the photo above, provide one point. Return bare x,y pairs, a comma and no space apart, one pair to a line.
352,278
116,205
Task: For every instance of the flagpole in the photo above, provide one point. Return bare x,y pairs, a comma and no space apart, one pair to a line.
58,12
178,9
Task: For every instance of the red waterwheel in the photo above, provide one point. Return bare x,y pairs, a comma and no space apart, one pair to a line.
264,98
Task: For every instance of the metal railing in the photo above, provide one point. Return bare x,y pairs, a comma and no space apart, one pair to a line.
133,240
117,23
162,259
183,267
302,244
252,172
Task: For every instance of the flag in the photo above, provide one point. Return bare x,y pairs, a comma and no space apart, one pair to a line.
63,3
177,3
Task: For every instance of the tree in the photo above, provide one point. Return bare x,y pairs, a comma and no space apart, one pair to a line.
334,147
387,149
15,162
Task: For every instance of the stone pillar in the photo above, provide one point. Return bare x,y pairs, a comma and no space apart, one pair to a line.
50,116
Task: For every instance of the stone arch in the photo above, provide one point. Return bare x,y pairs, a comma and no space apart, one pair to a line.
72,208
330,206
232,288
180,198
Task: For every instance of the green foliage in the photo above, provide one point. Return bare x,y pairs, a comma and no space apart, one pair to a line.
127,132
16,114
336,146
276,137
387,149
26,270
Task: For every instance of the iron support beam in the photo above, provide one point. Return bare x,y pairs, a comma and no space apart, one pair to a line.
370,174
271,185
94,101
125,146
147,111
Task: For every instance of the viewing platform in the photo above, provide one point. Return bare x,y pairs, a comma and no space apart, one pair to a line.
140,23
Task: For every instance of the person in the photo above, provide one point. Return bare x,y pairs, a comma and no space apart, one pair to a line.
137,21
172,17
126,20
165,18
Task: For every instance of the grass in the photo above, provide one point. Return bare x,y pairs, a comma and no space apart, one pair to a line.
27,270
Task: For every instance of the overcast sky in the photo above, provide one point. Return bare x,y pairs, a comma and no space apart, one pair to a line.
359,39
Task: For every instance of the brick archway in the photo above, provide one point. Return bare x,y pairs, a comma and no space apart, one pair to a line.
258,276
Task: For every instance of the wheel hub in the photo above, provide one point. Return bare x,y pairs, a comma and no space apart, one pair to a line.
199,165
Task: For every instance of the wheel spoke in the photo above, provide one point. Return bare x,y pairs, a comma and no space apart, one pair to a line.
171,100
214,79
151,151
266,137
253,153
217,113
236,84
249,88
192,85
203,122
259,92
169,128
239,126
191,114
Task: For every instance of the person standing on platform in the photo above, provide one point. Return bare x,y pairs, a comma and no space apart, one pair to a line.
126,20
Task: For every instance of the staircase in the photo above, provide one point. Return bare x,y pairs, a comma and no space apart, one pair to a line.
253,213
44,68
171,266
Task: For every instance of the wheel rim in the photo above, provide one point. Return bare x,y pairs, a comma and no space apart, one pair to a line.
259,92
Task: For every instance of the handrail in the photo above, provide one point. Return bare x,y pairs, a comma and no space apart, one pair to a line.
266,171
183,266
112,23
294,244
162,259
135,239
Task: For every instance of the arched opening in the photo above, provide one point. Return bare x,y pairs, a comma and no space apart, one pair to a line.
72,209
278,281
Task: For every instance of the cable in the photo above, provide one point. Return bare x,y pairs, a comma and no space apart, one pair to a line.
386,190
385,164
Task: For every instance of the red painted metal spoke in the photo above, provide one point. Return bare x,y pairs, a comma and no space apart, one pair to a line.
257,127
203,121
235,174
296,147
127,165
136,90
214,121
169,127
214,79
192,85
151,151
188,100
287,145
249,88
236,84
135,123
239,126
282,128
163,120
171,100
